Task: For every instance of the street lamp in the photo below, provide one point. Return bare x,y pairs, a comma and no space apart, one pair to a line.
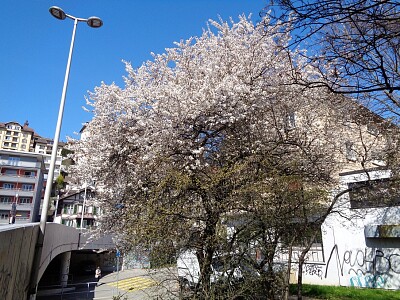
58,13
94,22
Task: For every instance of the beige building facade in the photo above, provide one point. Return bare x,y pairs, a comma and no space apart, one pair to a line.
14,136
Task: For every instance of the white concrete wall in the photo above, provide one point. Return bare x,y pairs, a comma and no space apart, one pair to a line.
348,257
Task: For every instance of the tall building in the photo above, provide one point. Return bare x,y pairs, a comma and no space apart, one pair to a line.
21,186
14,136
44,146
25,161
17,137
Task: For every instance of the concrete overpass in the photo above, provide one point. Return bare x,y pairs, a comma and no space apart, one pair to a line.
17,250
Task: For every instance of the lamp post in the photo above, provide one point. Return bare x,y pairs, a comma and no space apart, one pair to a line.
83,205
94,22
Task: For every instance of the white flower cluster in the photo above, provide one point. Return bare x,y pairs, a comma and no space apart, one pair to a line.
210,100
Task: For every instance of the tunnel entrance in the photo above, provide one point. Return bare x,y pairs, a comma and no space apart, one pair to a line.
81,269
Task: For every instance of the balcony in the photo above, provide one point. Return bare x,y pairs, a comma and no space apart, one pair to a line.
89,216
14,191
18,220
20,207
17,178
20,163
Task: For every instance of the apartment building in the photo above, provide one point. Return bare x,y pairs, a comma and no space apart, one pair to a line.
17,137
21,186
14,136
44,146
76,208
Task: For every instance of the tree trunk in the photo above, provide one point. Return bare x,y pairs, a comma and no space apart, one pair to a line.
209,235
287,279
300,277
301,263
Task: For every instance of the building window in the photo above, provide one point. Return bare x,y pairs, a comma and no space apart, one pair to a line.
27,187
23,146
10,172
15,139
374,193
8,138
25,200
8,186
350,152
29,173
23,215
5,200
13,145
13,160
13,127
8,132
69,209
6,144
4,216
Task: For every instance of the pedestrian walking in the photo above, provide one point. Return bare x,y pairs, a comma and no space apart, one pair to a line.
97,274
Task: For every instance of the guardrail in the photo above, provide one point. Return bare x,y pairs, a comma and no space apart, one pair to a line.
16,175
17,189
83,290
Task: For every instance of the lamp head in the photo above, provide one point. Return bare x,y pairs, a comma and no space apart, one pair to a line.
57,12
94,22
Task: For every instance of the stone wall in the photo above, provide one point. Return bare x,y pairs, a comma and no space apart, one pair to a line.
17,249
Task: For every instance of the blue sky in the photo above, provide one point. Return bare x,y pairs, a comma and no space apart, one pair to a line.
34,49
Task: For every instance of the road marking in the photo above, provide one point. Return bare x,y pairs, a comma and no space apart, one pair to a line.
133,284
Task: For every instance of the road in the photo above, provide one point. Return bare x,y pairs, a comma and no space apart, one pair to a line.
138,284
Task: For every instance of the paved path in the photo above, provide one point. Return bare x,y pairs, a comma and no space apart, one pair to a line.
138,284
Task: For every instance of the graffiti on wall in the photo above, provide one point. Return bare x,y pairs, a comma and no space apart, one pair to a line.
371,261
369,281
313,270
369,267
315,255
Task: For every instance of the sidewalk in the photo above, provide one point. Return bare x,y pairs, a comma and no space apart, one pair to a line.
121,275
137,284
144,294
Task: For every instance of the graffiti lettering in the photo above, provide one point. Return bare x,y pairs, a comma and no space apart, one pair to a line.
369,281
313,270
371,267
365,261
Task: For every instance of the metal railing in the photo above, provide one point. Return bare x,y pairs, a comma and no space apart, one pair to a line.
83,290
18,175
17,189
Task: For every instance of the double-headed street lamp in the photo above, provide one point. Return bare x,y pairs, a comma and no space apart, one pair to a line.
94,22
